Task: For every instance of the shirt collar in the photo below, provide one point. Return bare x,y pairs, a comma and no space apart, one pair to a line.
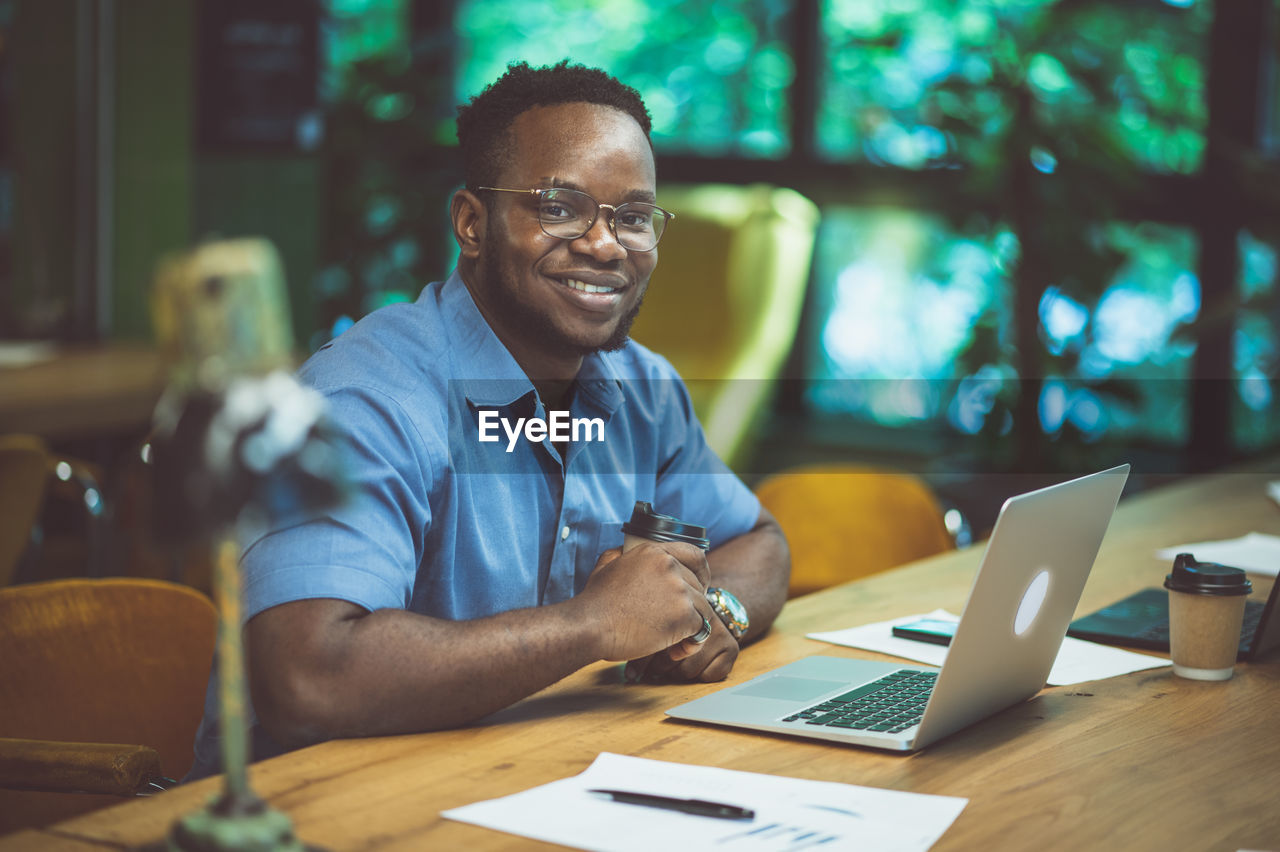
493,378
489,377
598,380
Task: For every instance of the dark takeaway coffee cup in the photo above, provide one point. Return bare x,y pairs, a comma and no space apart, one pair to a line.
648,525
1206,609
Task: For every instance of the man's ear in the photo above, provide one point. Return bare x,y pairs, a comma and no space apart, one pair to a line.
470,220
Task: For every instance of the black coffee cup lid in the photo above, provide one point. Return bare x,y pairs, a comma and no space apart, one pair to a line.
1206,578
646,523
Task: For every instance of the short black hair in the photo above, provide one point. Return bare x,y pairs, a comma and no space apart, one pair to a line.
484,122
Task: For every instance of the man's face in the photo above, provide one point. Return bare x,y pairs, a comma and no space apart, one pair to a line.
552,300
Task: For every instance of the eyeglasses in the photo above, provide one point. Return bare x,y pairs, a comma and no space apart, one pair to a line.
568,214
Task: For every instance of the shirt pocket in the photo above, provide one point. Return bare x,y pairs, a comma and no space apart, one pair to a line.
603,536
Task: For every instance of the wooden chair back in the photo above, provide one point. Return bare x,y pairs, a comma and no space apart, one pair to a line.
117,660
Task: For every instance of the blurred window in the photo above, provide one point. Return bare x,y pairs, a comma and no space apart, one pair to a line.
1256,411
914,316
714,74
927,83
899,296
914,312
360,29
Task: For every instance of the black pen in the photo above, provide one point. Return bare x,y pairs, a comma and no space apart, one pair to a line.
697,807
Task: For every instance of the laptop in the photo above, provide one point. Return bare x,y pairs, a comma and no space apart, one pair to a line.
1142,621
1025,592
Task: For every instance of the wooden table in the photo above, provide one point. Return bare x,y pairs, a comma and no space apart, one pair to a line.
81,392
1143,761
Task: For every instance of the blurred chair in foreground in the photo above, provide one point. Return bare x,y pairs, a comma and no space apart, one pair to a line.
101,688
844,522
724,302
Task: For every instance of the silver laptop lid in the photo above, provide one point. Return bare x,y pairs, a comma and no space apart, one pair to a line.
1032,574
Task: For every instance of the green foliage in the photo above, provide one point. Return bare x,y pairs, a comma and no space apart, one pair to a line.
714,74
1052,111
387,231
922,84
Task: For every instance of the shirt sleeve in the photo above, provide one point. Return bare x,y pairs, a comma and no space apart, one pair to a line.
693,483
367,549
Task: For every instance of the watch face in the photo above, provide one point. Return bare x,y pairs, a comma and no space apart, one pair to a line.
735,607
730,610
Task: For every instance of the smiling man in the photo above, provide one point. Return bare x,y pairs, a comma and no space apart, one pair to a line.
465,574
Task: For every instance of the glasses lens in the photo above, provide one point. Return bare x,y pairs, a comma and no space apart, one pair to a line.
566,213
639,226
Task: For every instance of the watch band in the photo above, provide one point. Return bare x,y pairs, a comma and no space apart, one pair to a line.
730,610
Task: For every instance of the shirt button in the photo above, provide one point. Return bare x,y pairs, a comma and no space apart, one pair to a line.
564,533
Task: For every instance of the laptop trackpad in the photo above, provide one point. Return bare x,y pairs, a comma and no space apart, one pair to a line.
790,688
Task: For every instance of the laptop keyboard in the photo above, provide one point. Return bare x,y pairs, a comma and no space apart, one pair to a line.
890,705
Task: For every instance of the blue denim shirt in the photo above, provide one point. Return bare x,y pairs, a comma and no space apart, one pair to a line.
447,525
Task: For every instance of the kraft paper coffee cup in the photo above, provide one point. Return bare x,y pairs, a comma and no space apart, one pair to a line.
648,525
1206,610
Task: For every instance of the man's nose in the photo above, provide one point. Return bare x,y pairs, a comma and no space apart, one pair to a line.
600,241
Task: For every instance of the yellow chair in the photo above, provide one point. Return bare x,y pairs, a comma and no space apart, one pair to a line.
24,474
724,302
91,663
844,522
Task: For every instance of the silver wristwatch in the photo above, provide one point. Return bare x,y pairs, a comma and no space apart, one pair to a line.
730,610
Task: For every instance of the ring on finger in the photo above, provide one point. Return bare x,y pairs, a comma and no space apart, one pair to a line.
701,636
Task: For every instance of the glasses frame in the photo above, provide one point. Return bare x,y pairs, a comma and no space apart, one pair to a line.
612,219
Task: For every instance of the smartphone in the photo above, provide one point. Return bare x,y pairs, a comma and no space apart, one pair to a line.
927,630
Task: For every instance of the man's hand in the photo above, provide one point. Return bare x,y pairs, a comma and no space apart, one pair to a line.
649,599
709,662
755,566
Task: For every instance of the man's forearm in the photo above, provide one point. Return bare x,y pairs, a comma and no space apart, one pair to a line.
325,668
393,671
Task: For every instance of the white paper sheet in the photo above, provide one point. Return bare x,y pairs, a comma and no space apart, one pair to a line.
1078,661
1256,552
1273,490
791,814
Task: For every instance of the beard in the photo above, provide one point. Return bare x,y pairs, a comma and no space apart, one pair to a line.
623,330
516,313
